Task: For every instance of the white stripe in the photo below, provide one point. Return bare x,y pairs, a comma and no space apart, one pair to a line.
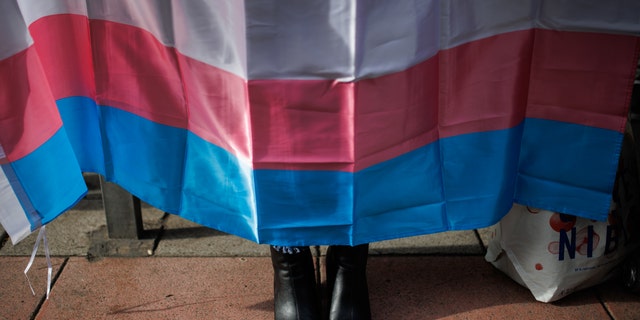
213,32
14,36
209,31
300,39
12,216
33,10
335,39
464,21
290,39
151,15
620,16
394,35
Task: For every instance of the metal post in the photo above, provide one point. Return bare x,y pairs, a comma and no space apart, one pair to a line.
124,216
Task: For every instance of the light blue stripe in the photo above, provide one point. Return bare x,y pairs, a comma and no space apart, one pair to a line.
568,168
413,194
81,118
479,175
457,183
51,177
218,189
144,157
304,207
167,167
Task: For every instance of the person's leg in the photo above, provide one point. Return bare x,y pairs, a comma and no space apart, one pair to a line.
294,282
347,282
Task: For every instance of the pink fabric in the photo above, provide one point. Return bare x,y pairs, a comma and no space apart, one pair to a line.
64,46
325,124
298,122
138,74
33,117
567,86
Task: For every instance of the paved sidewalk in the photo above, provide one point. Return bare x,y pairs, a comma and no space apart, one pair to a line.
184,271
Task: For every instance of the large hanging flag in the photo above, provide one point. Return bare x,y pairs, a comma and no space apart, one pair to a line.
315,122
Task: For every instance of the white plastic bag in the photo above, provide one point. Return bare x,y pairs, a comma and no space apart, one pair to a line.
553,254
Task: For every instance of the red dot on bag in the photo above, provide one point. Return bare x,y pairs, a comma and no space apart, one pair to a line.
559,221
538,266
554,247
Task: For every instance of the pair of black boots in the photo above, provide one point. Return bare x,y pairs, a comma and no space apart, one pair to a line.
296,292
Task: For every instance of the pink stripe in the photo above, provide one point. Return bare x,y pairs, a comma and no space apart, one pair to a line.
136,73
302,124
483,84
582,78
479,86
396,113
65,52
329,125
470,88
28,114
218,106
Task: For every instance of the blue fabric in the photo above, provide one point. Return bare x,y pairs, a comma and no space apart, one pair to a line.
52,173
81,118
568,168
456,183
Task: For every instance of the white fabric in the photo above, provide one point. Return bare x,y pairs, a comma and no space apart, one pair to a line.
344,40
594,16
14,36
12,215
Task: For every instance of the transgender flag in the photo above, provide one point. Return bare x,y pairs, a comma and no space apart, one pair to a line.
315,122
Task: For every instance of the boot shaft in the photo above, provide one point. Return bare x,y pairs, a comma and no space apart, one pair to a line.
347,282
294,284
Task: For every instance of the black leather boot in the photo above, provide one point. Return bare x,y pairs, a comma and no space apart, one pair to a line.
294,285
347,282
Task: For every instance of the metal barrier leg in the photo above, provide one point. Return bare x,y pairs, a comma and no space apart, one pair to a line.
123,212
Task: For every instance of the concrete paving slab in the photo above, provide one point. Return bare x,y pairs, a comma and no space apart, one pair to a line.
69,234
486,234
183,238
445,243
152,217
447,287
162,288
72,233
102,245
16,299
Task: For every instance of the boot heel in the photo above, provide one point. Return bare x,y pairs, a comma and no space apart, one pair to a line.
294,286
347,282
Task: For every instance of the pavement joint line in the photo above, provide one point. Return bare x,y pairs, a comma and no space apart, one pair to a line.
156,241
598,295
483,246
54,279
160,233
